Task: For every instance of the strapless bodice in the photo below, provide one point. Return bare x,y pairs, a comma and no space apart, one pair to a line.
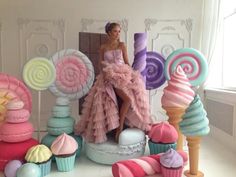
114,56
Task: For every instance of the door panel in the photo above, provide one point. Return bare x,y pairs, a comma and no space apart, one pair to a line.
89,44
84,42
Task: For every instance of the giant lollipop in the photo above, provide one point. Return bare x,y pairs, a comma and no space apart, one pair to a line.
193,63
154,70
39,74
74,74
140,49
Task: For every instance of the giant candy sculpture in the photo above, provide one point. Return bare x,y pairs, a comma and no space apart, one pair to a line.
175,100
74,78
194,125
140,49
39,73
74,74
15,130
193,64
155,64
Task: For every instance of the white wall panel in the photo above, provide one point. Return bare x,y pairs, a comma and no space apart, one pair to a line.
40,38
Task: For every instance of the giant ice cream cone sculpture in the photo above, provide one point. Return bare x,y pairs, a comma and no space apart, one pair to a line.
176,98
194,125
175,116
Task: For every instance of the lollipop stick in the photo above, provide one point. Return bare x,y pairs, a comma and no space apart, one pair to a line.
39,111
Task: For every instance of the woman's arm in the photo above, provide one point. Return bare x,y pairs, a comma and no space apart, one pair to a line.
125,54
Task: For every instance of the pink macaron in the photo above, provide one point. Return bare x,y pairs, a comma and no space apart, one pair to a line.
15,104
17,116
16,132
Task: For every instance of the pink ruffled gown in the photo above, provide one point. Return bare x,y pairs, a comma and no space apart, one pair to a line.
100,112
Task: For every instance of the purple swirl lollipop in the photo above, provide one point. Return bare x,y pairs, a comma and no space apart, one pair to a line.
140,49
154,70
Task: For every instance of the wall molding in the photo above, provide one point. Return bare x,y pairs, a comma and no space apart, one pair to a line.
40,37
181,28
97,26
1,62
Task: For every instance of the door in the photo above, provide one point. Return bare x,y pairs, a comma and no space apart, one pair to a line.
89,44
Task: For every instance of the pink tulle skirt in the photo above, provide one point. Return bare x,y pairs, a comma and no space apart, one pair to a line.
100,113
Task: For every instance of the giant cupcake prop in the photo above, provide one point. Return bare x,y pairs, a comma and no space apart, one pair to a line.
64,149
162,137
194,125
176,98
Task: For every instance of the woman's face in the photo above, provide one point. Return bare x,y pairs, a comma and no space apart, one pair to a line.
114,34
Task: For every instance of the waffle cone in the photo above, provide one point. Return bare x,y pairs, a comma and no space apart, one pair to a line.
175,116
193,148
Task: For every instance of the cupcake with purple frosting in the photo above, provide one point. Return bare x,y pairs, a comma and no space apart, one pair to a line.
171,164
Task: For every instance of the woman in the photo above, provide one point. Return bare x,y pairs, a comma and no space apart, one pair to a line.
101,113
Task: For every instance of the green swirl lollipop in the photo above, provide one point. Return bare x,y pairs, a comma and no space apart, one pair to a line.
39,73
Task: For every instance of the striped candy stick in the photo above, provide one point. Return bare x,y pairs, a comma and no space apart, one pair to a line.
139,167
140,49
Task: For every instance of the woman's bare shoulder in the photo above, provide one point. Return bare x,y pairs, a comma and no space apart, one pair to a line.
102,47
122,45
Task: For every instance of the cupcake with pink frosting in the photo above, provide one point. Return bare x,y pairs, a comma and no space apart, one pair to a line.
171,164
162,137
64,149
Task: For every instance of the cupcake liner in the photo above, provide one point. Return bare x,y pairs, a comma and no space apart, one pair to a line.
48,139
45,168
171,172
156,148
65,164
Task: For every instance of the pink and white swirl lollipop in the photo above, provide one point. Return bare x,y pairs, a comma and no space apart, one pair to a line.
74,74
193,63
140,49
154,70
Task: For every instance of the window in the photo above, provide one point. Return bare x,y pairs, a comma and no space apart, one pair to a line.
223,63
229,48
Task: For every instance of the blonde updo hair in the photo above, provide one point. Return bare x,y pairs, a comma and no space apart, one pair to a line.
109,26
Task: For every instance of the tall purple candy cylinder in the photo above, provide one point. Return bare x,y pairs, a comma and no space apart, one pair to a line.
140,49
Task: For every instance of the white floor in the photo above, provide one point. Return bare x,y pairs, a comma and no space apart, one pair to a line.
215,161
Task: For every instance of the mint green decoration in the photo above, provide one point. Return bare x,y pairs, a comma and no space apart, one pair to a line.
195,121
